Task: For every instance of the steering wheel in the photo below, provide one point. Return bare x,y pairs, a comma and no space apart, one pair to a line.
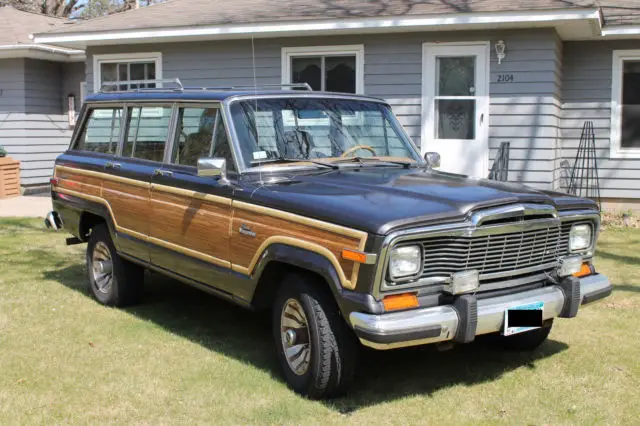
356,148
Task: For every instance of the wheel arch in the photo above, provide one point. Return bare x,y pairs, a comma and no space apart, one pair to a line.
280,259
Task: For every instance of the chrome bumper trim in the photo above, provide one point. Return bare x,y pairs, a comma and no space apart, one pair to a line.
490,316
594,287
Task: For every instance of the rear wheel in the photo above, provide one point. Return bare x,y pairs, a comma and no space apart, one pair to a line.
316,349
113,281
526,341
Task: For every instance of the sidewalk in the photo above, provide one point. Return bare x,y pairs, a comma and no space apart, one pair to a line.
29,206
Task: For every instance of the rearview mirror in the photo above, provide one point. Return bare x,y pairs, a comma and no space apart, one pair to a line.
212,167
432,159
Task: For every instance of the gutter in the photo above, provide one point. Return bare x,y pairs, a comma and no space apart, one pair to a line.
424,22
39,50
622,31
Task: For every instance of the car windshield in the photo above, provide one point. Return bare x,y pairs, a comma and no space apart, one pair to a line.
286,130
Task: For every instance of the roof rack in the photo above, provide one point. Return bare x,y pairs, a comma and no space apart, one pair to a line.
175,85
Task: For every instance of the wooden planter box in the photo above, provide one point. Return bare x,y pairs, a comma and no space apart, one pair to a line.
9,177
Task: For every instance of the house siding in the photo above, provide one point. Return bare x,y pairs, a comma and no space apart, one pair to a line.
524,112
587,84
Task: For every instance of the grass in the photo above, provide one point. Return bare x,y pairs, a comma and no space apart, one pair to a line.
184,357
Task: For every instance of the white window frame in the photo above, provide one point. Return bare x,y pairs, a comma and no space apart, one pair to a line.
615,148
124,57
352,49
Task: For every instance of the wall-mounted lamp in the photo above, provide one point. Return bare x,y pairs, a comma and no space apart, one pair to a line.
71,110
501,49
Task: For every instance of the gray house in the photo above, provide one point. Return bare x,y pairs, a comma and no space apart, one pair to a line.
35,82
463,76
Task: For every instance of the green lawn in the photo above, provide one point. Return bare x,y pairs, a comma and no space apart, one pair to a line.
184,357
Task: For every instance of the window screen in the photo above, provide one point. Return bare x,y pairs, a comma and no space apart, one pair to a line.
328,73
101,131
116,72
147,131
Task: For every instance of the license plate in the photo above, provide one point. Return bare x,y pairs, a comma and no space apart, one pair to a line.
519,319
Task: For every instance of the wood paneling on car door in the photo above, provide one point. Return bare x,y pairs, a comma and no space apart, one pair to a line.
264,226
193,223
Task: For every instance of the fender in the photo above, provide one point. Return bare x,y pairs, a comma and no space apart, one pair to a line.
347,300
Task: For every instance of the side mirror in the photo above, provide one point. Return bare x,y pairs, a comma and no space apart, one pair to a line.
212,167
432,159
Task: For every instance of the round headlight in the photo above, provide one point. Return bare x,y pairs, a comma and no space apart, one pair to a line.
405,262
580,237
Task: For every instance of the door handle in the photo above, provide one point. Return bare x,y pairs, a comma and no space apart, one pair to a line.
111,165
160,172
481,119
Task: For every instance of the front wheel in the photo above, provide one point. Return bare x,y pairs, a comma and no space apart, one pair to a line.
316,349
113,281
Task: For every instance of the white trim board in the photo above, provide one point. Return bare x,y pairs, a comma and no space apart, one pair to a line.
124,57
354,49
615,150
453,21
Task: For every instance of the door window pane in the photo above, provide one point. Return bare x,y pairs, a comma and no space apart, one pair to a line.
307,69
221,146
456,76
195,133
455,119
147,131
101,131
340,74
630,137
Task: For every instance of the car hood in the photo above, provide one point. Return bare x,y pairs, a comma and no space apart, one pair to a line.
381,199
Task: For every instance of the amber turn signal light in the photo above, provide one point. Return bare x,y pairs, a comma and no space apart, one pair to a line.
400,301
585,270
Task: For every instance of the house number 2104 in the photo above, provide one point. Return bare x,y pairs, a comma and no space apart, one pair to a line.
505,78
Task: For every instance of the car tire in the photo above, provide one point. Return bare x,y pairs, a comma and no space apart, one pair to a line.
318,358
113,281
526,341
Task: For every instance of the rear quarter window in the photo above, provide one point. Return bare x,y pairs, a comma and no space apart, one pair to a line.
101,131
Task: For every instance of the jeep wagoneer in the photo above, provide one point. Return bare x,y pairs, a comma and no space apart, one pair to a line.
318,207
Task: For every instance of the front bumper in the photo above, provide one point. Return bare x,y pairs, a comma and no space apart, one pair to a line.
444,323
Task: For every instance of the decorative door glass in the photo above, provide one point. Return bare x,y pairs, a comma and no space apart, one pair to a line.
455,100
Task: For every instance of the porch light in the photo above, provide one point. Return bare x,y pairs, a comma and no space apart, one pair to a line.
501,51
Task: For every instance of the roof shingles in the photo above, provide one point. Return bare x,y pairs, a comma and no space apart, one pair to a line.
188,13
16,25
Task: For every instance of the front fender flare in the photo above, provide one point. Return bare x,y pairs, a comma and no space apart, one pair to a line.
348,301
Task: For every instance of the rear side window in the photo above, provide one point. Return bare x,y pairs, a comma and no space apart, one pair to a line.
101,131
147,132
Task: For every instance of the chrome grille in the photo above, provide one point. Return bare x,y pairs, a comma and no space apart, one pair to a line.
495,253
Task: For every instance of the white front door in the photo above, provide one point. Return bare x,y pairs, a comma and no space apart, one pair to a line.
455,106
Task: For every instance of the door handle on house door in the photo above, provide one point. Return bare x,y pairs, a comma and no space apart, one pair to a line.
481,119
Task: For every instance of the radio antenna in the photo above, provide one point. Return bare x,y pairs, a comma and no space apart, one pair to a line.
255,96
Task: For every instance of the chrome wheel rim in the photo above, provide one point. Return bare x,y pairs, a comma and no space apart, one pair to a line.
294,332
102,267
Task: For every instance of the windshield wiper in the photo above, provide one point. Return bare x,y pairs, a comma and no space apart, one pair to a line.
294,160
364,160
